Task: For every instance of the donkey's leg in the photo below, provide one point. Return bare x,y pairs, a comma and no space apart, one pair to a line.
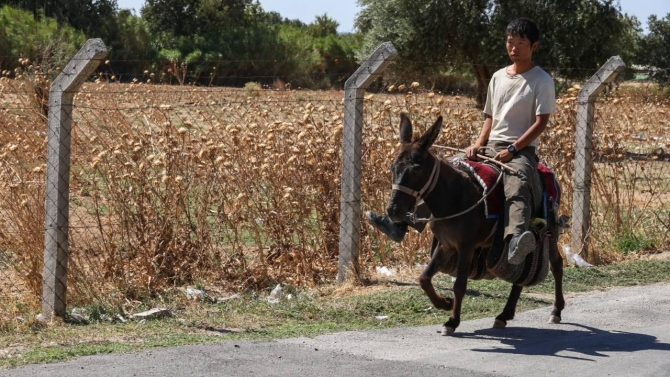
510,308
438,258
556,263
460,286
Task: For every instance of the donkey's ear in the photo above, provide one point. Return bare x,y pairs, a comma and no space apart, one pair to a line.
427,139
405,129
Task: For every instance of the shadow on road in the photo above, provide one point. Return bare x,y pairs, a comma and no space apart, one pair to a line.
588,341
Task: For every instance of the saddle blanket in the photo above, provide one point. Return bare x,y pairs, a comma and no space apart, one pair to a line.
487,175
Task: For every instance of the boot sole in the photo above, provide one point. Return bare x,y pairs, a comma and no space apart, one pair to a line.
524,247
369,215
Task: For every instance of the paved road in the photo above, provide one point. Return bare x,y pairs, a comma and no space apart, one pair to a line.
623,332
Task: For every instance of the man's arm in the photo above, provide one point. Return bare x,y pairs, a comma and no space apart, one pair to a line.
533,132
471,151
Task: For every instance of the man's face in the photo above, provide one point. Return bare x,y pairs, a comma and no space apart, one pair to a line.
519,48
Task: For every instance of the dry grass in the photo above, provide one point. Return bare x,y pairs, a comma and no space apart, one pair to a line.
175,186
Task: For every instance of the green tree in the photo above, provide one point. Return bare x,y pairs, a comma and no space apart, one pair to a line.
130,43
175,17
42,40
655,48
323,26
89,16
437,35
221,37
316,56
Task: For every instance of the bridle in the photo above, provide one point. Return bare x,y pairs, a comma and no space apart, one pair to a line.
428,188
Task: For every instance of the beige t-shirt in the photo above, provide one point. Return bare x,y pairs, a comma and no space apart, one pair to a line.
514,101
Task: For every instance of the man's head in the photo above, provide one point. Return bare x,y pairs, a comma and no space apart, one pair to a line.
523,38
524,28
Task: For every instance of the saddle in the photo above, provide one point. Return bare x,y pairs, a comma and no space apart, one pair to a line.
487,175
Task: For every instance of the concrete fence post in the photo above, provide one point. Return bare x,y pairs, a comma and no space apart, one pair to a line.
581,196
61,95
352,136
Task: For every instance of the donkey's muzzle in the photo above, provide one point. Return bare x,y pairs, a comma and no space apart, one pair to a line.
395,213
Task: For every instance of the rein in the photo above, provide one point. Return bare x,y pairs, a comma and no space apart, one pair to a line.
428,188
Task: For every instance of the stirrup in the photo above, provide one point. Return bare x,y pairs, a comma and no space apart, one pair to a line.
538,225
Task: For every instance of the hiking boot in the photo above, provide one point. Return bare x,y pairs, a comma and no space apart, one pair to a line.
395,231
520,246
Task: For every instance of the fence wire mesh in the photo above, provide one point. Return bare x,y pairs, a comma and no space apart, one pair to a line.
631,178
22,167
175,185
231,188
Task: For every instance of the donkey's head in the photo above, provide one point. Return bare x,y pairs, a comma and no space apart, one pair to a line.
415,170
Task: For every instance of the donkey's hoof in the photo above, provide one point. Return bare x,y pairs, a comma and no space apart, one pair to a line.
499,324
554,319
448,331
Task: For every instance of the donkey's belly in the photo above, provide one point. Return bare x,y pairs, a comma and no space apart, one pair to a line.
478,268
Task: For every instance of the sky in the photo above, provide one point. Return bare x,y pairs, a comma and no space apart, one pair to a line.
345,11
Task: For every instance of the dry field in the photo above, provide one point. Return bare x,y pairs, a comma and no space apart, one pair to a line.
235,189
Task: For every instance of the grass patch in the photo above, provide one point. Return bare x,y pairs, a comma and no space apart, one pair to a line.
629,242
308,313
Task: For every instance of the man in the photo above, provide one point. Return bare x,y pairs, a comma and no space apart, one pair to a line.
519,101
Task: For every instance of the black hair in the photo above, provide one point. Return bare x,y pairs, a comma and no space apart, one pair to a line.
524,27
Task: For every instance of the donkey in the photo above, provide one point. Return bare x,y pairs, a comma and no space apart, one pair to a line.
467,239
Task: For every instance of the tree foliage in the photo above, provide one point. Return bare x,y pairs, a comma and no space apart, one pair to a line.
41,40
655,48
237,39
228,42
231,42
577,35
88,16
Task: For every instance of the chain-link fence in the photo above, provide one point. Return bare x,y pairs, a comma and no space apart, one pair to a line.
630,191
22,167
231,188
173,185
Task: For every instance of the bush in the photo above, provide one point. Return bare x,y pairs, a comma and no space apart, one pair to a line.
253,89
43,40
629,242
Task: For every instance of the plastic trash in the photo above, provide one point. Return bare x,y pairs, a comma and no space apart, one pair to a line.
224,299
574,259
381,317
276,291
275,294
193,294
384,271
79,315
197,294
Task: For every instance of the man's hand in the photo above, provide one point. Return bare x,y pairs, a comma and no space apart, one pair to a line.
504,156
472,151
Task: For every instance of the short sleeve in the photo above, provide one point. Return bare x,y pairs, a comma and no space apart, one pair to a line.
545,102
488,107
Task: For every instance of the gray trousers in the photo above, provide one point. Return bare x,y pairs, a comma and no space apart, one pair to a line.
523,191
